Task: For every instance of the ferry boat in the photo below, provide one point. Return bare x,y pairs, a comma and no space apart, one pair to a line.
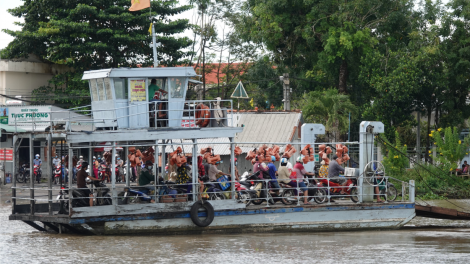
122,115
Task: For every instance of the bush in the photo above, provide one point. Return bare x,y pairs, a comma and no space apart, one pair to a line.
435,182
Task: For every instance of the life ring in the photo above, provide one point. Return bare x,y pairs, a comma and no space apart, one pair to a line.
202,115
195,210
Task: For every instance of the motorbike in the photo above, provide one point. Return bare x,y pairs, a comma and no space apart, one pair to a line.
316,192
262,191
135,195
244,194
23,174
101,194
350,189
104,173
211,190
57,174
63,200
37,173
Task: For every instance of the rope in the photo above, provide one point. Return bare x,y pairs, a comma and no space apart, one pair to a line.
422,179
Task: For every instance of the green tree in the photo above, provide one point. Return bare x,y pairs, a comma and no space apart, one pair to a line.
450,147
413,78
330,108
323,39
395,162
456,39
96,34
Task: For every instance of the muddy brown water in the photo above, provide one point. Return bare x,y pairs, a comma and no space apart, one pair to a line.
423,240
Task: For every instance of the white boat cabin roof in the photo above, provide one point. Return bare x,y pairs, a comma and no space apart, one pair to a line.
140,73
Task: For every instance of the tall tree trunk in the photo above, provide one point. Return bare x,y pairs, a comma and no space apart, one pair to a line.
343,77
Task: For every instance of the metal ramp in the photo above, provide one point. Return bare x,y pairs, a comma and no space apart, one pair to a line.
440,212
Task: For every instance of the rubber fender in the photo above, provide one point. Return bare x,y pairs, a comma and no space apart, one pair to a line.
195,210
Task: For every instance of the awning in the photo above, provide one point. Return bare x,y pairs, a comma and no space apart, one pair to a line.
11,129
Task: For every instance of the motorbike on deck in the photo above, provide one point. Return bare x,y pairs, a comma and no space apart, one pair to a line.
211,190
244,194
350,190
101,194
316,192
63,200
263,191
135,195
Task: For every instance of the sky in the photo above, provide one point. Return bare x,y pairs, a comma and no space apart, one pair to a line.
7,20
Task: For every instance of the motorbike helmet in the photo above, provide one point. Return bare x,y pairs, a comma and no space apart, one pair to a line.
299,159
81,157
283,160
94,157
37,156
273,158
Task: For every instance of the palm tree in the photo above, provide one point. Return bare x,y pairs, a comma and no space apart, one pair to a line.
330,108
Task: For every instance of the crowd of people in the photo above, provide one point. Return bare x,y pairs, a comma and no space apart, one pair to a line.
288,174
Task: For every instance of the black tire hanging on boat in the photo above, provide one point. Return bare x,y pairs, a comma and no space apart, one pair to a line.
195,210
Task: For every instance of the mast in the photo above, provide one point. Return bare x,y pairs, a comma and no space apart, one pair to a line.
154,44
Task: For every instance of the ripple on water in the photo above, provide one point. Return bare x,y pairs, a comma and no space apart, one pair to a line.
19,243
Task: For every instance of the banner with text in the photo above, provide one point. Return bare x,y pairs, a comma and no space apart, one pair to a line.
27,115
6,154
138,93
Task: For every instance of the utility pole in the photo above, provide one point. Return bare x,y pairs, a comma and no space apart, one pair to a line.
286,91
154,46
418,138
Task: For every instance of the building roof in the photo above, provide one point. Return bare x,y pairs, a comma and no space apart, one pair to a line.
258,127
267,127
211,69
140,72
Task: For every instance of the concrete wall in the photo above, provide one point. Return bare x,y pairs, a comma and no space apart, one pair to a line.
20,83
22,77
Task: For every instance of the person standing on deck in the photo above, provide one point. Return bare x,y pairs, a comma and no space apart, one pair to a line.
300,172
155,92
81,181
323,172
146,177
120,165
96,165
202,172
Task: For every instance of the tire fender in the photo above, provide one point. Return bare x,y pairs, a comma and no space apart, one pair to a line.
195,210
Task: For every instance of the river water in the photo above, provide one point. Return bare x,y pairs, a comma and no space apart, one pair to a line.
423,240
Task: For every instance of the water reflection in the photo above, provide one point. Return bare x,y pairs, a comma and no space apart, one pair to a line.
419,242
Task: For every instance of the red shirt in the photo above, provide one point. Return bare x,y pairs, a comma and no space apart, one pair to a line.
299,170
